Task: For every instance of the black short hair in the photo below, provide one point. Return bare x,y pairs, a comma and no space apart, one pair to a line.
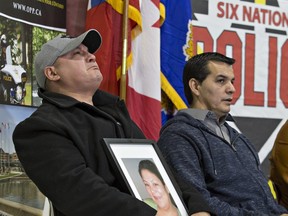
197,68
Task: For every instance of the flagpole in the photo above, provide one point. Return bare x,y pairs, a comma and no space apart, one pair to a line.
124,51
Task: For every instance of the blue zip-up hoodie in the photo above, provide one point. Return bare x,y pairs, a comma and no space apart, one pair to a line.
227,174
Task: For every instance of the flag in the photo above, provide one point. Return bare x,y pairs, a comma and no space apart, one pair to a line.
144,88
106,17
176,49
143,80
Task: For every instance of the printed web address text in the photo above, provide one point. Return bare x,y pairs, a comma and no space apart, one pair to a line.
27,9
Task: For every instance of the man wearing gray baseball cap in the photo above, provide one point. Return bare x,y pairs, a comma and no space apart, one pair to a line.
59,46
59,144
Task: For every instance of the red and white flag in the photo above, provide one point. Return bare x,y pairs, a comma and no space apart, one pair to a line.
144,87
143,62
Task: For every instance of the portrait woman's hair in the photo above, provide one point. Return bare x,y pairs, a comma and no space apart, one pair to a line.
149,165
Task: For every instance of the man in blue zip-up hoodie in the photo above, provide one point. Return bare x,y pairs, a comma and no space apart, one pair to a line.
204,152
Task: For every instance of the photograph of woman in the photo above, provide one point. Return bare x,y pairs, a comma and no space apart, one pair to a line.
160,198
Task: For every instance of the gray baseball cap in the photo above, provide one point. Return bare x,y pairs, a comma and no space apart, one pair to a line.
61,45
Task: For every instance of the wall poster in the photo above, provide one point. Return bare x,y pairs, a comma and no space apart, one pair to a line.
24,27
255,34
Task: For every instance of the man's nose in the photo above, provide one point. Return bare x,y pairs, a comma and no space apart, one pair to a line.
231,87
91,57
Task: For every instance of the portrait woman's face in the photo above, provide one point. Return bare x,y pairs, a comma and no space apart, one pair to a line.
156,189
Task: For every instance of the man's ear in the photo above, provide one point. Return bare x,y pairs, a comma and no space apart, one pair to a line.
194,86
51,73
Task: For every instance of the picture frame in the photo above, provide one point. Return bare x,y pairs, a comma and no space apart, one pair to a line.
126,155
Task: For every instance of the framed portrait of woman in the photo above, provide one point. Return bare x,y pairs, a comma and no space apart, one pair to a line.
143,171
